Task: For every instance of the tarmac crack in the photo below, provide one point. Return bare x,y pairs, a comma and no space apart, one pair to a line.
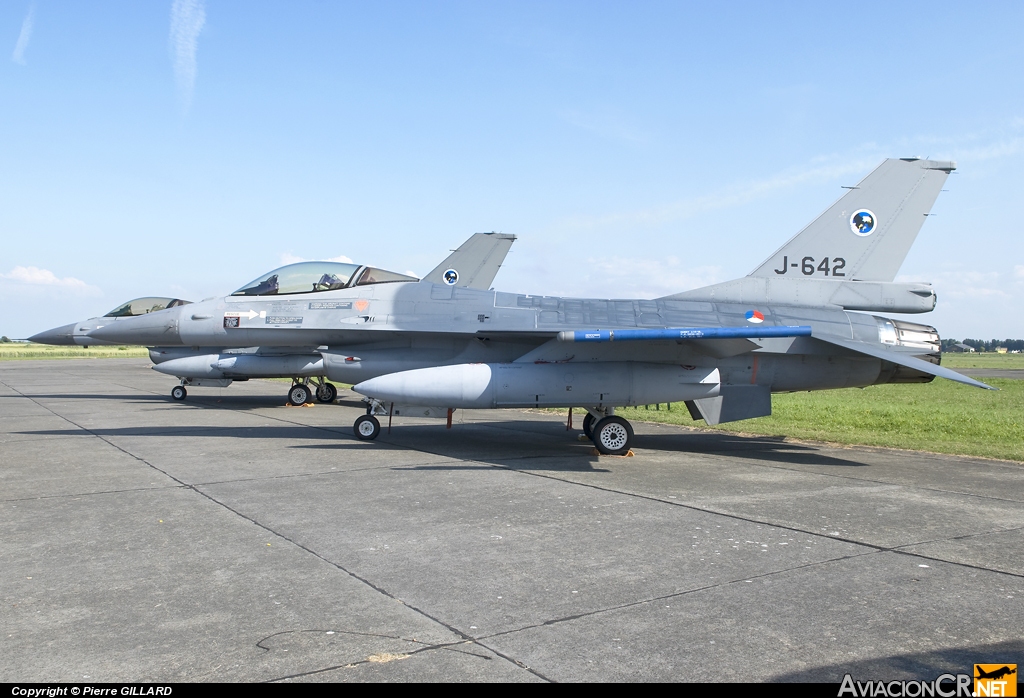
446,647
726,514
740,459
675,595
75,495
365,581
746,519
963,537
301,475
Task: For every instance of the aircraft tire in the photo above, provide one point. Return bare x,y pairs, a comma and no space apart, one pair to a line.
299,394
588,426
613,436
366,428
178,392
326,393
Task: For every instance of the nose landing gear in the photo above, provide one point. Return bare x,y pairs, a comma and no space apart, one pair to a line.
366,428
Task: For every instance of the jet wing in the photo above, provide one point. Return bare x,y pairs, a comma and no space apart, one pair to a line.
685,333
882,352
475,263
719,342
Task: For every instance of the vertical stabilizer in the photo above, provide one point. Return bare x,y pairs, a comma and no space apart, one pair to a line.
475,263
866,235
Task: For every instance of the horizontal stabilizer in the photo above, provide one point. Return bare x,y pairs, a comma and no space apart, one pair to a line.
896,357
676,333
475,263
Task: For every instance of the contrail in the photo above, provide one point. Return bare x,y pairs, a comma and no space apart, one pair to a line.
26,33
187,20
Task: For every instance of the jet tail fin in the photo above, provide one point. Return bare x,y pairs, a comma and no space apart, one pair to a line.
475,263
867,233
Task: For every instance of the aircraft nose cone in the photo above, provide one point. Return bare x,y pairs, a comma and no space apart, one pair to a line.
150,330
61,336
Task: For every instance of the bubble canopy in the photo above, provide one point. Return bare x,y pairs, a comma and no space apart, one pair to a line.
314,277
141,306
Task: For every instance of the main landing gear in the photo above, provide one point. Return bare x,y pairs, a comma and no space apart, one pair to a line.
613,436
299,394
303,391
326,392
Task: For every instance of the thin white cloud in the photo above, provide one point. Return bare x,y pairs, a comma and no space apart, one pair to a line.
726,198
963,284
187,20
605,123
1018,271
644,278
289,258
34,276
604,277
998,140
999,149
23,38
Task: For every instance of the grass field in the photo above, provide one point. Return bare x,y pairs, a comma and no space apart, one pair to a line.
21,351
986,360
941,416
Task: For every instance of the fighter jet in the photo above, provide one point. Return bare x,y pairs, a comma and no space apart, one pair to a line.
77,333
801,321
473,265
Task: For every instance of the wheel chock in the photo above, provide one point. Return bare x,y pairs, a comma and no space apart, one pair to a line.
595,452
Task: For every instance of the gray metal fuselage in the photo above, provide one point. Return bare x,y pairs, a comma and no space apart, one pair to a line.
372,331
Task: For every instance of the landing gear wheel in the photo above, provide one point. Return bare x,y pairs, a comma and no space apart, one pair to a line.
299,394
178,392
613,436
326,393
366,427
588,426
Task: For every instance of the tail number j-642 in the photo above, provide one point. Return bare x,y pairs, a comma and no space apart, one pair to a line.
807,266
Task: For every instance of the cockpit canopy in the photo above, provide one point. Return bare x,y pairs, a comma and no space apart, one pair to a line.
141,306
313,277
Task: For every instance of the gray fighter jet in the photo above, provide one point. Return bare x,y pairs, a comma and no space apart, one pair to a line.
800,321
473,265
77,333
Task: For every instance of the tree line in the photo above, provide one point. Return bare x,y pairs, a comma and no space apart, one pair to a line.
984,345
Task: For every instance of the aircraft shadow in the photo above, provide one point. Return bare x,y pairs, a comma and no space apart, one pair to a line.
518,443
752,447
283,431
126,397
773,449
919,665
237,401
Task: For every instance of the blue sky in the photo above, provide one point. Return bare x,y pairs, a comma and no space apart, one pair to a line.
184,148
